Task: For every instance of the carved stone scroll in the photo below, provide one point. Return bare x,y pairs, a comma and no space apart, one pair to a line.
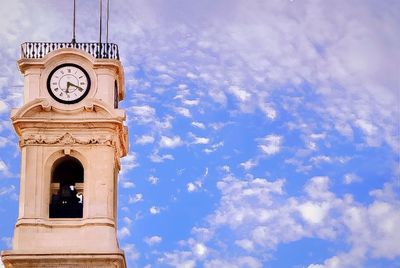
66,139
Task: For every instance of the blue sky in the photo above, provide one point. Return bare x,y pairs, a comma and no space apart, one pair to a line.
262,133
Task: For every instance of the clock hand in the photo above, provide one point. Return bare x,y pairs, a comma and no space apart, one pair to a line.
78,87
68,84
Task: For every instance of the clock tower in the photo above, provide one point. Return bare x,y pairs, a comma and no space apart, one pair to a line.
71,136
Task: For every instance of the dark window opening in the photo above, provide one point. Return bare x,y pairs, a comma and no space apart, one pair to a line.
66,189
116,98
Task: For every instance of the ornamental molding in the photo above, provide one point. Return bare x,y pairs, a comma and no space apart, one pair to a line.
97,108
66,139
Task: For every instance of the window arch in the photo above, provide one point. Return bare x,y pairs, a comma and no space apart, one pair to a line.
67,178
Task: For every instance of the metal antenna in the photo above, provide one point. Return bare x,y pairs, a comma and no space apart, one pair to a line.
73,24
108,17
100,20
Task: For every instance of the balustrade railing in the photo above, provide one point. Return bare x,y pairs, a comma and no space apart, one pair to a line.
37,50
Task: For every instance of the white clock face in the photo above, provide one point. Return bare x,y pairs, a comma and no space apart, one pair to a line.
68,83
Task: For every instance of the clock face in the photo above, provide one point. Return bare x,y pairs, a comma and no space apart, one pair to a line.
68,83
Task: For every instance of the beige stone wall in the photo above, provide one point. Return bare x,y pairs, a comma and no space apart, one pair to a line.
96,230
103,73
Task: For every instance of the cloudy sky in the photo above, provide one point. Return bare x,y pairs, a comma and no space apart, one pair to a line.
262,133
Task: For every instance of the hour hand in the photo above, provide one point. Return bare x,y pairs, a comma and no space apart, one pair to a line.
70,84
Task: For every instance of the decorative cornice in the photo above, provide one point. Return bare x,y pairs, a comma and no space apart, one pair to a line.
32,109
66,139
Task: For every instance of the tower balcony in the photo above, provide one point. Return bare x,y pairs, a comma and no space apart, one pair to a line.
37,50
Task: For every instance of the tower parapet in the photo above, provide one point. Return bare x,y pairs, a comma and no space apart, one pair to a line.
37,50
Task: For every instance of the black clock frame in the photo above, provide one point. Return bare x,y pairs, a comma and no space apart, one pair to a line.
66,101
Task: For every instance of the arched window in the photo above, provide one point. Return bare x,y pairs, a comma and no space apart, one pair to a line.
66,188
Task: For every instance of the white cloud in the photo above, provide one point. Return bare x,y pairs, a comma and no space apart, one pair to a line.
205,172
268,110
226,169
317,188
153,180
136,198
246,244
127,184
258,218
249,164
238,262
200,249
320,159
183,111
315,266
350,178
143,114
194,186
155,210
191,102
129,162
127,220
166,123
3,107
270,144
165,79
318,136
213,147
170,142
7,190
371,229
199,140
241,94
314,213
201,233
153,240
4,141
145,139
131,252
179,259
198,125
191,187
3,167
4,170
294,55
123,232
7,241
156,158
217,96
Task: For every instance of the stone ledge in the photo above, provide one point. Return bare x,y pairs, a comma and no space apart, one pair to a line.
19,259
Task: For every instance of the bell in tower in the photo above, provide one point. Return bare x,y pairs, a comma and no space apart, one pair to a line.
71,136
